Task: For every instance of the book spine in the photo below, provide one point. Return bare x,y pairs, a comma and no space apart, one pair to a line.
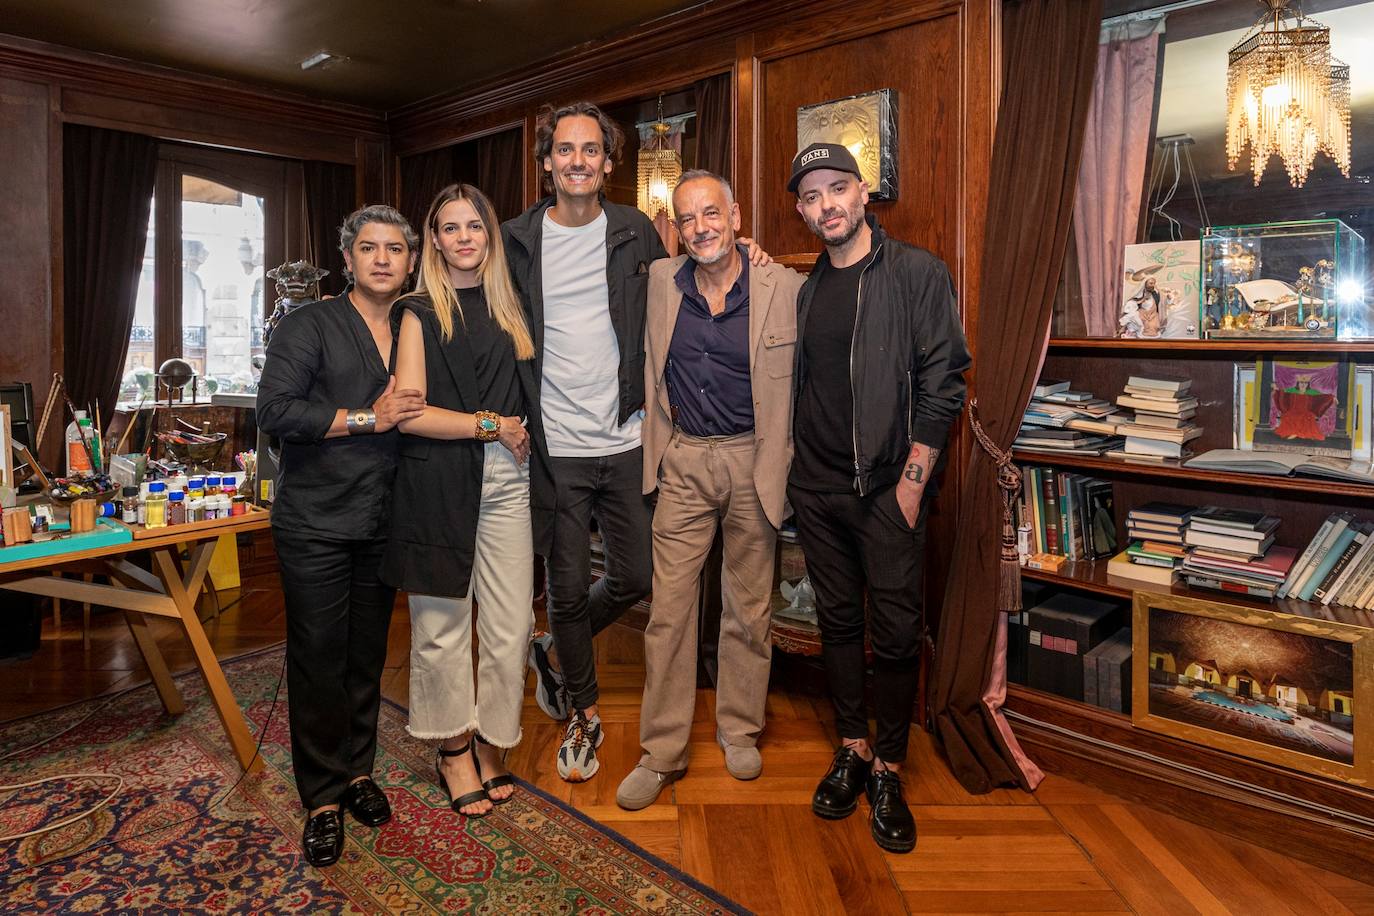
1339,569
1361,570
1223,586
1324,559
1038,507
1061,482
1305,557
1049,485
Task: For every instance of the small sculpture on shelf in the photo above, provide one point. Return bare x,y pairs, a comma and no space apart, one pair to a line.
297,284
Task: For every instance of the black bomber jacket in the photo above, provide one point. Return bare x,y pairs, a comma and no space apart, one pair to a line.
632,244
907,359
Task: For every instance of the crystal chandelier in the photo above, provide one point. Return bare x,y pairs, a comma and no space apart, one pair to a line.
1286,94
660,168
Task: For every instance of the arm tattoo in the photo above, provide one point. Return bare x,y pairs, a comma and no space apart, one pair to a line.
915,471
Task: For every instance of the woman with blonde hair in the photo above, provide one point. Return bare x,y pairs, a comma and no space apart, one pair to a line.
461,528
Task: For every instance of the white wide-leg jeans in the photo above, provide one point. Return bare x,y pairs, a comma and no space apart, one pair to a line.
444,701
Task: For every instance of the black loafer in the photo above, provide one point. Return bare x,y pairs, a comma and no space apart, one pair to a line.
323,839
838,794
367,803
893,827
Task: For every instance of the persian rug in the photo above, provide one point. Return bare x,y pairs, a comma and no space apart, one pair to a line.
177,839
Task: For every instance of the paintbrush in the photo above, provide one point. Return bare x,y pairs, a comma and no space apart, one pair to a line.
53,389
101,442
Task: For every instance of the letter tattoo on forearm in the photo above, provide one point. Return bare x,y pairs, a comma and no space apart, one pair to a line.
916,469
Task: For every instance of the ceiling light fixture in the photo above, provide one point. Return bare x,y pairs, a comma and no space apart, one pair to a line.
321,59
1286,94
660,168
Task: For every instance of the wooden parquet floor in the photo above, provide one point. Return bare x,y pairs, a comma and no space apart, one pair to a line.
1067,848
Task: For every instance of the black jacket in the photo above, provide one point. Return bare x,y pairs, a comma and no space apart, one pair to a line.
632,244
438,491
907,360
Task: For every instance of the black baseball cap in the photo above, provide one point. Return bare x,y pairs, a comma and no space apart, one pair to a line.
822,156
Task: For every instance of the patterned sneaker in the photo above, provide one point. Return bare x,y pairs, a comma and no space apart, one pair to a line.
577,755
549,692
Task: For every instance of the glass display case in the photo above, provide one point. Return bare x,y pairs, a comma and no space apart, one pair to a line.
1278,281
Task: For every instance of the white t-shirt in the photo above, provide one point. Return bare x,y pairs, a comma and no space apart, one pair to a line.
580,395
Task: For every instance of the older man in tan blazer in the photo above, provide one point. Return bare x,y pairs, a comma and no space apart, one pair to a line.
720,336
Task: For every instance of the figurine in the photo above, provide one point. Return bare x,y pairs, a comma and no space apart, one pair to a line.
297,284
1130,322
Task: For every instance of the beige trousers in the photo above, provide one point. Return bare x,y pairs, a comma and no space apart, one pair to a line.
444,700
703,482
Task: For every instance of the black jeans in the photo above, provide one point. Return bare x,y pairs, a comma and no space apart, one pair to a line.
854,543
337,615
609,490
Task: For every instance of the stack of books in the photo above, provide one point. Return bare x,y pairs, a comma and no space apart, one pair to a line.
1156,552
1337,567
1162,425
1059,420
1232,550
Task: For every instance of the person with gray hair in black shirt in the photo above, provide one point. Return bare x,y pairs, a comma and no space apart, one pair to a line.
328,393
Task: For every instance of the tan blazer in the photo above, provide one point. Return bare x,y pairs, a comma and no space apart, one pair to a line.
772,347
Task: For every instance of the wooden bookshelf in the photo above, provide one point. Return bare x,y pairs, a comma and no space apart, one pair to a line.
1175,470
1176,347
1237,794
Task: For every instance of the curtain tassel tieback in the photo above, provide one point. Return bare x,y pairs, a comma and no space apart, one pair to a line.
1009,479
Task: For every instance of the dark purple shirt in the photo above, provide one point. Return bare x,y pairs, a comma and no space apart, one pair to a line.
708,359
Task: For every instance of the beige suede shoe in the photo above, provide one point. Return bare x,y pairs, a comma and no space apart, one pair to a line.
742,762
641,788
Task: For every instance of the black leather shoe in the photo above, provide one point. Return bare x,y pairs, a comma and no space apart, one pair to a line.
367,803
893,826
323,839
838,794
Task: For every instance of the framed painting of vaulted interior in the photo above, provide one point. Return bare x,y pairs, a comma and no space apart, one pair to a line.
1287,689
864,124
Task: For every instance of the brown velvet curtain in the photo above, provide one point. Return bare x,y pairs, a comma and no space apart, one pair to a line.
1050,50
422,176
715,115
501,171
330,195
107,191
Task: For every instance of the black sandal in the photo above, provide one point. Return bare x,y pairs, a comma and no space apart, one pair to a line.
468,798
496,782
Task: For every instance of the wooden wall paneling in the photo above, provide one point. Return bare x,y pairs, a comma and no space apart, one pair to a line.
744,166
273,120
26,305
928,88
375,184
52,446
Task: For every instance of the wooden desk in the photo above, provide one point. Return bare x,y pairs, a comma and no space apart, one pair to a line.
170,590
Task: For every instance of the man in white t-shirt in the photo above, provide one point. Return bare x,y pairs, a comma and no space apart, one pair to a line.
582,266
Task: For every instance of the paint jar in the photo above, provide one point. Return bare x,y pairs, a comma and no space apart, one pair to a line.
155,506
238,506
129,507
176,508
212,486
107,510
195,508
195,488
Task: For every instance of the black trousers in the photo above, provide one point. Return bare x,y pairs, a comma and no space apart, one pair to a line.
855,544
337,615
609,490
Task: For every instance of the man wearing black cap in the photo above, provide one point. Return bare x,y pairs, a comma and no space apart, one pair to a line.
879,380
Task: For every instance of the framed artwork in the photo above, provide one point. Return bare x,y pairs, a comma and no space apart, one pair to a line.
1290,690
1159,290
1244,412
1304,407
866,125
